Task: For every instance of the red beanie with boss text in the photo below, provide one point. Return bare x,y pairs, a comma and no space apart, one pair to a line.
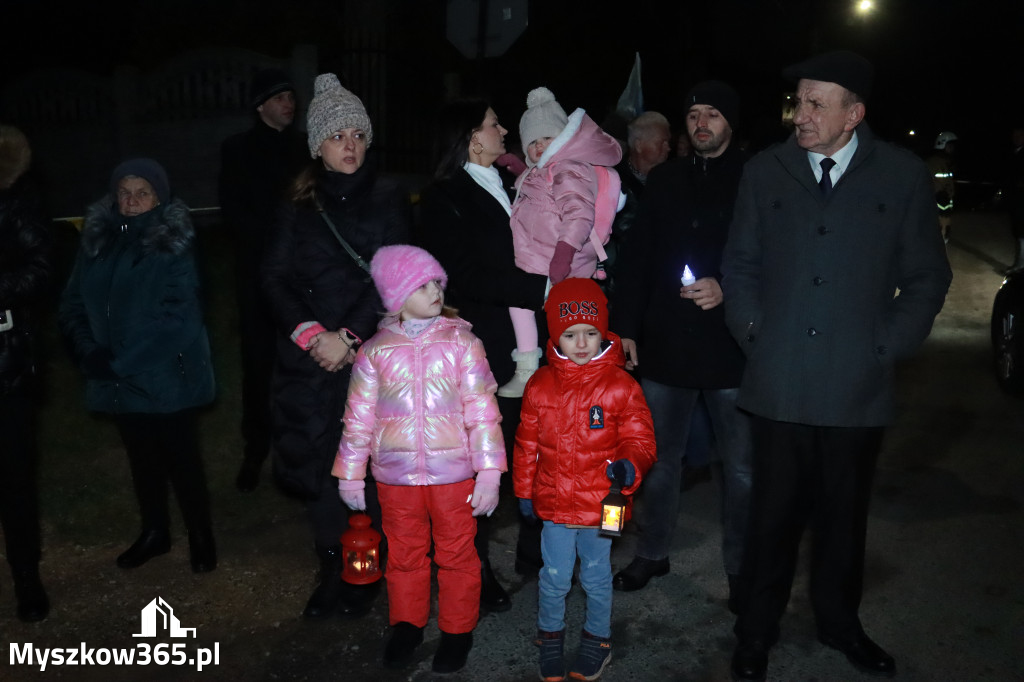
576,301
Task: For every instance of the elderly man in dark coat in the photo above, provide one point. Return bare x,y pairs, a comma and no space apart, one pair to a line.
834,269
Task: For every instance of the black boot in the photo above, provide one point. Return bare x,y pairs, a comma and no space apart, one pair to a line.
401,648
151,543
452,653
324,600
357,600
202,551
492,595
33,604
638,573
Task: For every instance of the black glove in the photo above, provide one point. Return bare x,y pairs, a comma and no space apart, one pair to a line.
96,365
623,471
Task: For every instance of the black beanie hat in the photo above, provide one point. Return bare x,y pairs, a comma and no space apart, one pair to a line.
267,83
717,94
147,169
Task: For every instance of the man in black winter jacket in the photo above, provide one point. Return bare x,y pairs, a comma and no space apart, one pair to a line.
25,273
676,324
257,167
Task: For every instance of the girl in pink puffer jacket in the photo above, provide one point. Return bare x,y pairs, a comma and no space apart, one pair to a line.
554,210
421,411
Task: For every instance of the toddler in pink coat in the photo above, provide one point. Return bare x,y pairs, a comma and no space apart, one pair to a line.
421,412
554,210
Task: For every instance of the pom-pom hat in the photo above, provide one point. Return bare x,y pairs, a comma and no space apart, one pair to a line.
576,301
334,108
544,117
401,269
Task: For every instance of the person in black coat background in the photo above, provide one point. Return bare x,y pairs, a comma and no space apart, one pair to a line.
25,273
464,222
680,334
323,305
257,166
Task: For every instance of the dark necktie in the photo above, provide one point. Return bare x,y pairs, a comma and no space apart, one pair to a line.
825,184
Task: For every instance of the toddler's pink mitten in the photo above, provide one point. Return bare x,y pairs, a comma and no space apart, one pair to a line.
561,262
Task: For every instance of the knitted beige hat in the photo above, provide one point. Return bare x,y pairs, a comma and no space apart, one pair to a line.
544,117
334,108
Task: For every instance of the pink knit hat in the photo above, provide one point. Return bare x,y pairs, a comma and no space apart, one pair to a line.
401,269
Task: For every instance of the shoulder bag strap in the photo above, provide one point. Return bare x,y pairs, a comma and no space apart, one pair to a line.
352,252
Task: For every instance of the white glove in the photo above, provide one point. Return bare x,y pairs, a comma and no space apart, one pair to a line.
485,492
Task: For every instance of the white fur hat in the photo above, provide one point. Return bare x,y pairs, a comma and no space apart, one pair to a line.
544,117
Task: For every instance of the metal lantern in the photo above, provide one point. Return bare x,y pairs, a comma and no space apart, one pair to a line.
361,545
613,511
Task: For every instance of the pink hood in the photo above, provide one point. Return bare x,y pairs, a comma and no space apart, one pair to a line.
556,198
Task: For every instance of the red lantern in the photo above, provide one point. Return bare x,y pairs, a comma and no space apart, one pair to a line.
361,545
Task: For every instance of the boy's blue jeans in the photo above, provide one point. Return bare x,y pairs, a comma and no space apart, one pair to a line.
559,546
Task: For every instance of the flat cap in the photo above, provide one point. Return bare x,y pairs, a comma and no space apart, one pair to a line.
842,67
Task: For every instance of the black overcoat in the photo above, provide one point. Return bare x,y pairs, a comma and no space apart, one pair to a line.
309,277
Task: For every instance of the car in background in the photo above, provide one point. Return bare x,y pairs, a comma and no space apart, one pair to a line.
1008,334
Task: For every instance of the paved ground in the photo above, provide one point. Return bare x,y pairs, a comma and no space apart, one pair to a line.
945,551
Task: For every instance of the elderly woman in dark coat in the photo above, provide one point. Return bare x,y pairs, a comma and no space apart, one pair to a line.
132,315
464,223
324,304
24,276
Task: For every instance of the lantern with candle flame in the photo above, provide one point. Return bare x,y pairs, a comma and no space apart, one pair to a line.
613,510
361,545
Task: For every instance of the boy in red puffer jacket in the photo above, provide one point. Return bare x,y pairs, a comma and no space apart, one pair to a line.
584,421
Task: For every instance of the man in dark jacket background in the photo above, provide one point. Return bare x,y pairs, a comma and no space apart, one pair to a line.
679,331
25,274
828,226
256,168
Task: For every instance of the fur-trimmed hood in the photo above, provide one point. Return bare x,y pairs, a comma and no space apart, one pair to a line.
168,227
582,140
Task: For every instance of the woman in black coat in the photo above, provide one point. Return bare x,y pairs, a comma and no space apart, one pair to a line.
464,223
24,277
324,304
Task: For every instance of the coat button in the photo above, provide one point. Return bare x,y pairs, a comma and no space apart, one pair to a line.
818,281
811,331
750,338
822,229
882,350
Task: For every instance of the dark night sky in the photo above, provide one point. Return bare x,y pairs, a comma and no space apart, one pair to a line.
941,64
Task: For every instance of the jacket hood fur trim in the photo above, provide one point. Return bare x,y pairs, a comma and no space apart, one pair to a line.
169,229
585,140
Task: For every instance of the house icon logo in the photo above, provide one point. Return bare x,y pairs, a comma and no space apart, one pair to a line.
158,617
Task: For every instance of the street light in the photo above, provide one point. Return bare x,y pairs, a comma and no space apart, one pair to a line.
865,7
